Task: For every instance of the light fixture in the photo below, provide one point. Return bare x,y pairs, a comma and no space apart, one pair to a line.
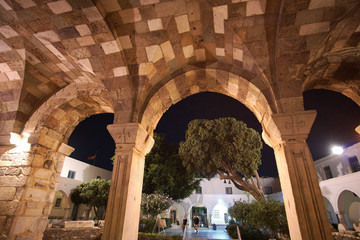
337,150
224,180
229,182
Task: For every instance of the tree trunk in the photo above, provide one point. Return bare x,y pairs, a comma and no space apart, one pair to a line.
244,185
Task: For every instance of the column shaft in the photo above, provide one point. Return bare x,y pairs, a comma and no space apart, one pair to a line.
304,204
123,209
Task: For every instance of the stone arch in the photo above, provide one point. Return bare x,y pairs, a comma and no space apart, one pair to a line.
196,81
49,129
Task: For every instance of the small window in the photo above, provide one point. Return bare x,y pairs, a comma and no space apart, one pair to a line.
58,202
228,190
354,164
198,190
71,174
268,190
328,173
98,177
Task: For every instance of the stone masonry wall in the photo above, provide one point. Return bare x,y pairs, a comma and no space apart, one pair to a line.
14,172
72,233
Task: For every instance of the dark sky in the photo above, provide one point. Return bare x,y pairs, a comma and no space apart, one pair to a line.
335,123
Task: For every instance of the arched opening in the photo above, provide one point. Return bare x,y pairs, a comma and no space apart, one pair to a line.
330,212
177,213
47,131
219,215
349,207
60,207
202,212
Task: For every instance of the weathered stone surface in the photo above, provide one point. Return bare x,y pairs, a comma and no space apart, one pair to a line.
7,193
65,234
8,207
79,224
14,181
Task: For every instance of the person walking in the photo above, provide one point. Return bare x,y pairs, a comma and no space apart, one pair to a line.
196,223
184,223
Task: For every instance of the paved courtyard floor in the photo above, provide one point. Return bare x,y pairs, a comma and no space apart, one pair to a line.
206,233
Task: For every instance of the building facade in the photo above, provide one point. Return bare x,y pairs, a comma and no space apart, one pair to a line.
74,172
339,178
213,199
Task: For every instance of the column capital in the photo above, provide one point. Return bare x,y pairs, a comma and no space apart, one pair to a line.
131,135
288,126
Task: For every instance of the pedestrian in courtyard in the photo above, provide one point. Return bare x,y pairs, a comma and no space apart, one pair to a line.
184,223
196,223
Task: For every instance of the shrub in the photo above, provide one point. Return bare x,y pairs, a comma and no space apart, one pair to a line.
154,236
246,233
146,225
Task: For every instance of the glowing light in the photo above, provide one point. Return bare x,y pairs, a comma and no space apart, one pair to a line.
337,150
21,142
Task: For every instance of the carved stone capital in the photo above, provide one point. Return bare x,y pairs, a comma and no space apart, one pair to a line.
131,135
288,126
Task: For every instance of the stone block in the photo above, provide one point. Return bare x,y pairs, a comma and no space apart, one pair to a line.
167,50
29,224
37,195
47,37
255,7
12,181
4,47
110,47
182,23
79,224
8,32
83,30
120,71
8,207
153,53
314,28
220,13
130,15
155,24
321,3
188,51
92,14
7,193
59,7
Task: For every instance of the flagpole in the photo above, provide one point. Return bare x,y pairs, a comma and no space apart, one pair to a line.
94,158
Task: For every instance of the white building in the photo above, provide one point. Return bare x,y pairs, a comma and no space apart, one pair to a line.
213,199
339,179
73,173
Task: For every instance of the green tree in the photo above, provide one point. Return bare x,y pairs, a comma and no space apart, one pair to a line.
155,203
164,172
94,193
226,147
261,214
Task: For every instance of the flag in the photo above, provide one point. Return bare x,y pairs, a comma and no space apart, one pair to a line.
92,157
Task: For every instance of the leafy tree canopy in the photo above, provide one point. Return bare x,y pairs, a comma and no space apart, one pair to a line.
224,146
164,172
154,204
94,193
261,214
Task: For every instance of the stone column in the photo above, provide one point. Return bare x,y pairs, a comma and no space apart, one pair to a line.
304,204
123,208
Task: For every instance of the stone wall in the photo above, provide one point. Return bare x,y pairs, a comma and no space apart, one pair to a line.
72,233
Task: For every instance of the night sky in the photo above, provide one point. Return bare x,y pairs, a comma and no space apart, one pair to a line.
337,117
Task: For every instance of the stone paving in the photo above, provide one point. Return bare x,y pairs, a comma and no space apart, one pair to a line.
204,233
